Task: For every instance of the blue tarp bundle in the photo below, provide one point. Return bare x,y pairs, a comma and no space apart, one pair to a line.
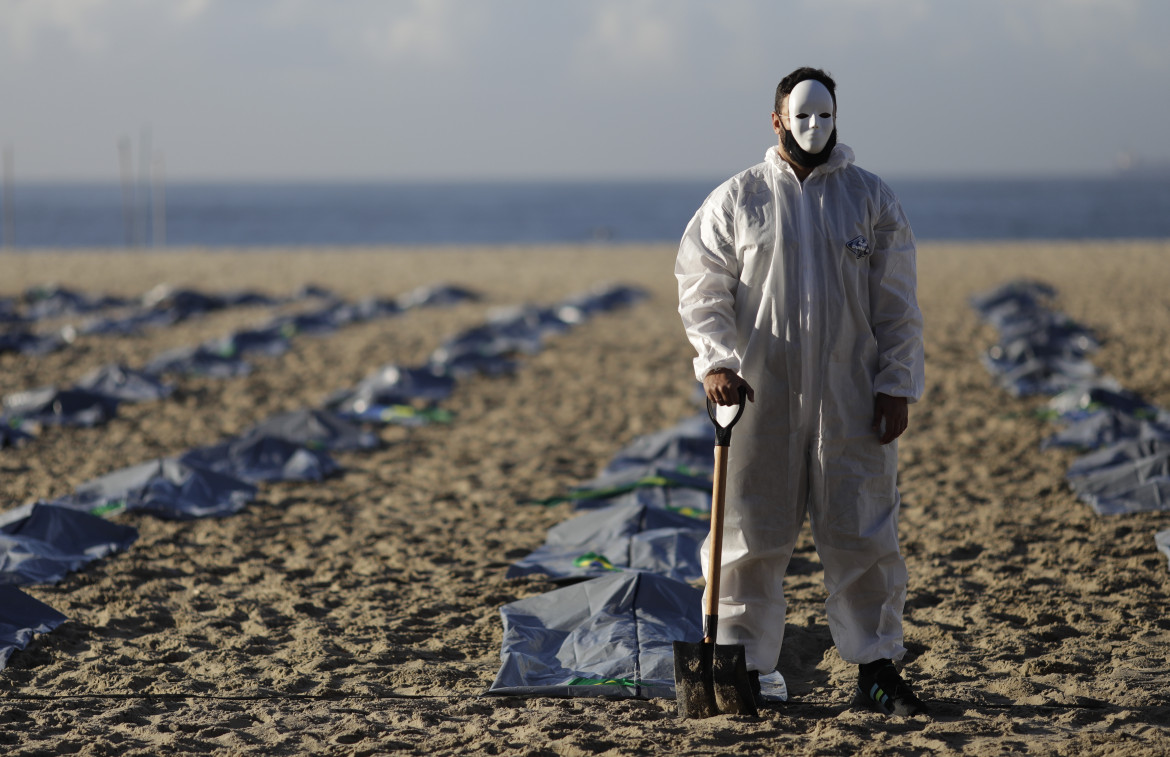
127,325
320,322
1012,300
1122,453
660,483
162,306
61,407
1104,428
21,616
623,536
191,302
27,343
508,332
367,310
1040,351
489,348
271,341
44,303
125,384
258,457
92,402
390,386
317,429
609,636
53,541
1128,477
1083,400
438,295
1100,413
687,446
197,361
600,300
165,487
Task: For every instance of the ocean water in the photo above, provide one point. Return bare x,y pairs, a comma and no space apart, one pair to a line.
326,214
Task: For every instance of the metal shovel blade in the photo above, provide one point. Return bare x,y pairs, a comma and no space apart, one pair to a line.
712,679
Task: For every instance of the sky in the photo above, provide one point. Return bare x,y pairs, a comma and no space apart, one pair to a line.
477,90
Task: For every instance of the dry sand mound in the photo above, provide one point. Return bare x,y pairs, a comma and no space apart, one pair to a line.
360,615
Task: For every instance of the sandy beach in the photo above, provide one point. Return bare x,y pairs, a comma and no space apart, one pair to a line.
360,615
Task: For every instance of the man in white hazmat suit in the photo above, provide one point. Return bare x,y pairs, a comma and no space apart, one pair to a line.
797,284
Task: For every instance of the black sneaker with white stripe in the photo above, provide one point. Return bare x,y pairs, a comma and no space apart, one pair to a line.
881,687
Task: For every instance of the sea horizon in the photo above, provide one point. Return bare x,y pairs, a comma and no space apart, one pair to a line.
368,212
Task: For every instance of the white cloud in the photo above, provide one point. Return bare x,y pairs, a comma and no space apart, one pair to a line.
422,33
89,27
30,23
634,36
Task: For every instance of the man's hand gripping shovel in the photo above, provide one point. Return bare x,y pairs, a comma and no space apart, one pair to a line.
710,678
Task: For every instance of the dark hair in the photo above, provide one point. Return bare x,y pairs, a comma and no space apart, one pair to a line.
788,83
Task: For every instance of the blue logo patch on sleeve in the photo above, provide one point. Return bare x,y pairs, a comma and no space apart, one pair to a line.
859,246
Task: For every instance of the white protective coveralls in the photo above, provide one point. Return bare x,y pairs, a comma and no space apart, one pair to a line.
808,291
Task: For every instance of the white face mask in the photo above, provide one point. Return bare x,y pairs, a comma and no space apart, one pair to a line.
811,115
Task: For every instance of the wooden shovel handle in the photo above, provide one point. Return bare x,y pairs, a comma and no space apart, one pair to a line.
718,496
718,499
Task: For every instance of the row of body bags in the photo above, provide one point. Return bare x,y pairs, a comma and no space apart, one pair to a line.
1125,439
95,398
630,574
122,316
41,542
165,306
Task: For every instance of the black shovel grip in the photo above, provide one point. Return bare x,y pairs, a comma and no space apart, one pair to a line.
723,433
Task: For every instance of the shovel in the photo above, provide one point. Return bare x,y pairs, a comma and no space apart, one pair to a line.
710,678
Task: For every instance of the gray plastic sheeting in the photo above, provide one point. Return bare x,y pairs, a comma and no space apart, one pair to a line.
21,616
626,536
27,343
317,429
61,407
1040,351
651,485
257,457
439,295
689,445
125,384
1127,486
1107,427
392,385
1080,401
613,635
1118,454
54,541
197,361
270,341
165,487
609,636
